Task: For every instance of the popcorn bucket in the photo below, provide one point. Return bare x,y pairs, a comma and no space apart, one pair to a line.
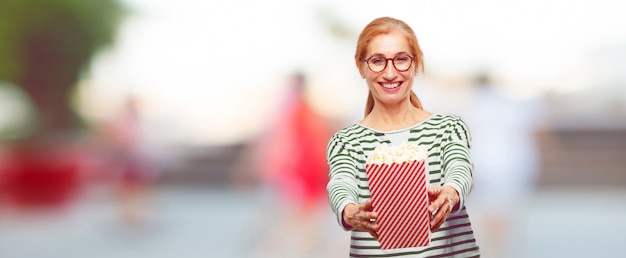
399,196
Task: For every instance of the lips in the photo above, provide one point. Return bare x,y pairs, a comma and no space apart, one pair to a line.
390,86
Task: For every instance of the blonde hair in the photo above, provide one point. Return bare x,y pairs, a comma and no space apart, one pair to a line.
385,25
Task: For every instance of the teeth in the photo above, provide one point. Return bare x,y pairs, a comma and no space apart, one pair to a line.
391,85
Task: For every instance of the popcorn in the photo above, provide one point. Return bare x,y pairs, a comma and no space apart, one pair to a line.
397,177
386,154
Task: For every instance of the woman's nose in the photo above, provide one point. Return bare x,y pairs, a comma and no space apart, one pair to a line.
390,70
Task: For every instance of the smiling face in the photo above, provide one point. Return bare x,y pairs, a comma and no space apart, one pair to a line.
389,86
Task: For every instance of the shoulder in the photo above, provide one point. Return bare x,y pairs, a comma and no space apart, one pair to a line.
446,120
344,139
457,129
452,127
350,133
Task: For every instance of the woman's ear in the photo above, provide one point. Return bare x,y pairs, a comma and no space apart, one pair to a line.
360,67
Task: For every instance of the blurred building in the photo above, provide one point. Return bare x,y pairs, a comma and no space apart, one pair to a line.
586,143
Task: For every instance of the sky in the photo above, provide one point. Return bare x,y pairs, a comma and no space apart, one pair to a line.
213,72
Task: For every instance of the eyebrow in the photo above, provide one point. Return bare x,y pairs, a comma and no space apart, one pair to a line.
397,54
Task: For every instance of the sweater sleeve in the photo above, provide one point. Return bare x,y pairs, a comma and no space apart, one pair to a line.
342,188
457,164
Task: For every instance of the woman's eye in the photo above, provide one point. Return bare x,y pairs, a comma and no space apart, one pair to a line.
402,59
378,61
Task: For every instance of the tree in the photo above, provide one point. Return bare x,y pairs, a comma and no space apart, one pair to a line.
45,46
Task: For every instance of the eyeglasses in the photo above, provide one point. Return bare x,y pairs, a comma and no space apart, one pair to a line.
378,63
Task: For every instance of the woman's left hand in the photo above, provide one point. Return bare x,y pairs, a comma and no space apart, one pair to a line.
442,200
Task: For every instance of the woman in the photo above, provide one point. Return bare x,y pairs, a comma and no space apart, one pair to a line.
388,57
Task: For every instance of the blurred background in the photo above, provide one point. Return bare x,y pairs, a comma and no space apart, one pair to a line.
147,128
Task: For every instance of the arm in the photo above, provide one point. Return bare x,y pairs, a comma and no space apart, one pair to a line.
458,181
457,166
342,188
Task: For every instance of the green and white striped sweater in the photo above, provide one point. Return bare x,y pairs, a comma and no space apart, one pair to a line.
447,139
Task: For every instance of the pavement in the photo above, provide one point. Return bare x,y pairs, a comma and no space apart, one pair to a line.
190,222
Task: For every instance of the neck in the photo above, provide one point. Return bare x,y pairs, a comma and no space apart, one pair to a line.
394,117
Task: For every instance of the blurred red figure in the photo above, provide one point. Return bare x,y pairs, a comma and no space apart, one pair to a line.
293,159
289,161
135,171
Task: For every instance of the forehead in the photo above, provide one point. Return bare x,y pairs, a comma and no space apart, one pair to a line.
388,44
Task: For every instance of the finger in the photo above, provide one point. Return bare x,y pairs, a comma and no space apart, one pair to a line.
434,189
440,217
439,224
437,218
372,226
367,209
432,208
373,230
436,227
364,217
437,203
433,195
374,234
366,226
433,192
441,209
367,205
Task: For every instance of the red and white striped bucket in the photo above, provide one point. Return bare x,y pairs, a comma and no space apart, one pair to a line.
399,196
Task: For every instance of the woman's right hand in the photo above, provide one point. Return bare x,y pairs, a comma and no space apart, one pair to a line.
361,217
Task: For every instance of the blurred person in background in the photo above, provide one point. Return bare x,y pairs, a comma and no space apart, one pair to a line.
290,164
506,161
135,172
389,57
293,160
